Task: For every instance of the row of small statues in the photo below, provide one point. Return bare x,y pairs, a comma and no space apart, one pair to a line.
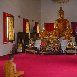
42,46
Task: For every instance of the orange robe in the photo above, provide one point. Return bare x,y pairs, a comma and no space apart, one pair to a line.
9,70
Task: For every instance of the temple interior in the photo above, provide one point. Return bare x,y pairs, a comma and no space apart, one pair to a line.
38,38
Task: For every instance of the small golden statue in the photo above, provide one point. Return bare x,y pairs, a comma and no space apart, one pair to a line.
70,44
62,26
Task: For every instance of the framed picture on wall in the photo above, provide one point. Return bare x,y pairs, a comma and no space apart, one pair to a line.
10,28
26,25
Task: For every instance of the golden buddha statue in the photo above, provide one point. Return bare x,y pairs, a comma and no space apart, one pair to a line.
61,25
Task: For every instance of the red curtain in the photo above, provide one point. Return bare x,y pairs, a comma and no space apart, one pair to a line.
4,28
74,27
35,27
49,26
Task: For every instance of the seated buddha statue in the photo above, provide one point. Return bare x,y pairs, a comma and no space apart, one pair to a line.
61,24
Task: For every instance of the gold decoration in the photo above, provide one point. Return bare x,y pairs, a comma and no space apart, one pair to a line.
10,28
60,1
27,27
61,29
38,28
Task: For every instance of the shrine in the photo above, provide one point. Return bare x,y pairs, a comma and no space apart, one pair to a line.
62,31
